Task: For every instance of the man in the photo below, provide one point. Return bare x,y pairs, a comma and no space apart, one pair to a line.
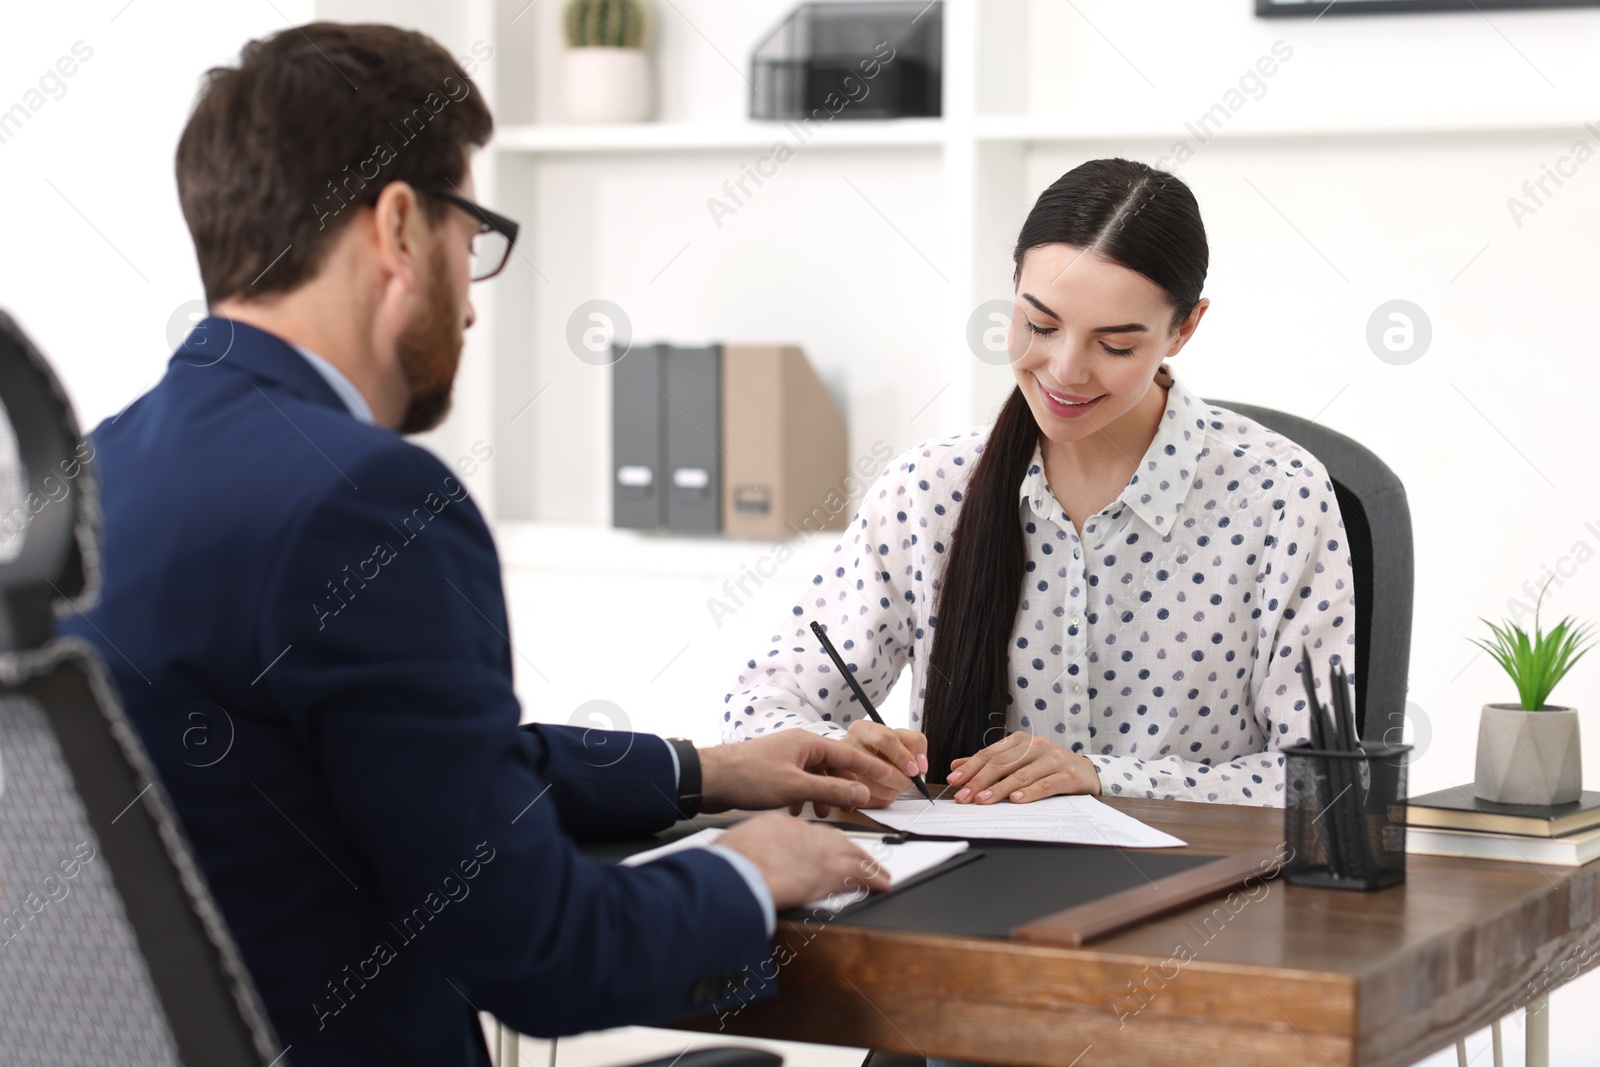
304,615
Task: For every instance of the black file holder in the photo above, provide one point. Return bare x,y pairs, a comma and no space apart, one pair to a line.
851,61
1344,816
666,438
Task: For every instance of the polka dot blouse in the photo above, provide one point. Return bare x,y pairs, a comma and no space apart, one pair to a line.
1164,643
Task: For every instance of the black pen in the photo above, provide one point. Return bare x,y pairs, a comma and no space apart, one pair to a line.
1347,718
1359,852
1326,770
1317,732
861,695
1336,740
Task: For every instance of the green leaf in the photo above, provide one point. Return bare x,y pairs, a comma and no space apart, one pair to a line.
1537,664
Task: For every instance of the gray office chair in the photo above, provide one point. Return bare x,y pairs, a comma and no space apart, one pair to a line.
111,949
1377,525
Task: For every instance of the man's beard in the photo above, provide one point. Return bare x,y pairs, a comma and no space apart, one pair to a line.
429,349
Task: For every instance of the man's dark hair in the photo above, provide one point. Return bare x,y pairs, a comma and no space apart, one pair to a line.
282,149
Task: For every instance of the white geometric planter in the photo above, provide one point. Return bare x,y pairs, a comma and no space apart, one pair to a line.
605,85
1529,757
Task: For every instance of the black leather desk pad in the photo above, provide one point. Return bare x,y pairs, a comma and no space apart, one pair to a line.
1012,883
1016,882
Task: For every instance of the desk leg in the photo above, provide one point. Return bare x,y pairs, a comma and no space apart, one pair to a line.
1538,1020
507,1051
1499,1043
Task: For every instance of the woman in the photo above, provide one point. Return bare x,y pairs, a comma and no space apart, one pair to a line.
1108,589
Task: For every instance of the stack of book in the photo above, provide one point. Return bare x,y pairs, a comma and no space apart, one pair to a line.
1454,822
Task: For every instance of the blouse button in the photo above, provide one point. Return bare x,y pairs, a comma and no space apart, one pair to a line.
1076,688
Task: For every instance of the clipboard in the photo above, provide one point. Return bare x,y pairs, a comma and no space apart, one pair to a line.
629,852
796,914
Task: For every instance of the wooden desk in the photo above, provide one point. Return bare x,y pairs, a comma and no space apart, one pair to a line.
1289,975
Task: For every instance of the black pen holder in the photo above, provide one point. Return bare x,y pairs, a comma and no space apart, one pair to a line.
1344,816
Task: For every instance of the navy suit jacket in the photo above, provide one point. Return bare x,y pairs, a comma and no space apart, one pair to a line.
303,614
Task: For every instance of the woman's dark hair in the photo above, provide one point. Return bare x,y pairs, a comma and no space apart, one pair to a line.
1126,213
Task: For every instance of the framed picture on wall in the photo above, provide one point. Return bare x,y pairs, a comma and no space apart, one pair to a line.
1294,8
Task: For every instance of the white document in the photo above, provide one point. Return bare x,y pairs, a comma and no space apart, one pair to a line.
903,861
1074,820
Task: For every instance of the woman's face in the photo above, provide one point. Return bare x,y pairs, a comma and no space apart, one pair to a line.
1086,339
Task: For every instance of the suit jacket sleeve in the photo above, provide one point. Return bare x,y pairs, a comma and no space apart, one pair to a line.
396,675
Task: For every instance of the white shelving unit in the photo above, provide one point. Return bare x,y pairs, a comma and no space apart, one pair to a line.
919,213
518,349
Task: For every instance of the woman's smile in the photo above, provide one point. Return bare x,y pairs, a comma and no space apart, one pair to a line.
1066,405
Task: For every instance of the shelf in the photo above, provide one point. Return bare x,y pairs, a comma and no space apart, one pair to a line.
1030,129
715,137
578,548
653,137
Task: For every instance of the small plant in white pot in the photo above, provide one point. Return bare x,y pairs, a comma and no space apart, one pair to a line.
1528,753
606,71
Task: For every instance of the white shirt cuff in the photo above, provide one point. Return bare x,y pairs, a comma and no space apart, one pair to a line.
758,885
738,861
677,768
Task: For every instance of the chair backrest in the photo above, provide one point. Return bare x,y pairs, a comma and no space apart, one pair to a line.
111,948
1377,526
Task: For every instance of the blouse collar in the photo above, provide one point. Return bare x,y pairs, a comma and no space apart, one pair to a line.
1165,472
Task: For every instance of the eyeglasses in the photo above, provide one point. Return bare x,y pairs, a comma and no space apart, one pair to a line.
491,245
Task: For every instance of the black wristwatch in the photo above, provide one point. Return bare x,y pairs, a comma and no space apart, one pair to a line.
688,777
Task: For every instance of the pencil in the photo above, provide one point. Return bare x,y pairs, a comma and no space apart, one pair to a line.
861,695
1324,770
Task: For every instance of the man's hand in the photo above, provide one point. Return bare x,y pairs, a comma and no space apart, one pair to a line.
787,769
1020,768
802,861
906,751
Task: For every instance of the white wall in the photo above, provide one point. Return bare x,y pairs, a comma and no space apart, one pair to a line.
97,258
1166,59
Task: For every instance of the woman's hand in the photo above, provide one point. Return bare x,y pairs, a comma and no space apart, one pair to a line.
1020,768
904,750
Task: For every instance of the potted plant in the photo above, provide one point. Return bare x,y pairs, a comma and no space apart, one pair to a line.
1528,752
606,71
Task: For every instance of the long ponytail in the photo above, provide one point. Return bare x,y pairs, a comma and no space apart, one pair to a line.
978,596
1124,212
